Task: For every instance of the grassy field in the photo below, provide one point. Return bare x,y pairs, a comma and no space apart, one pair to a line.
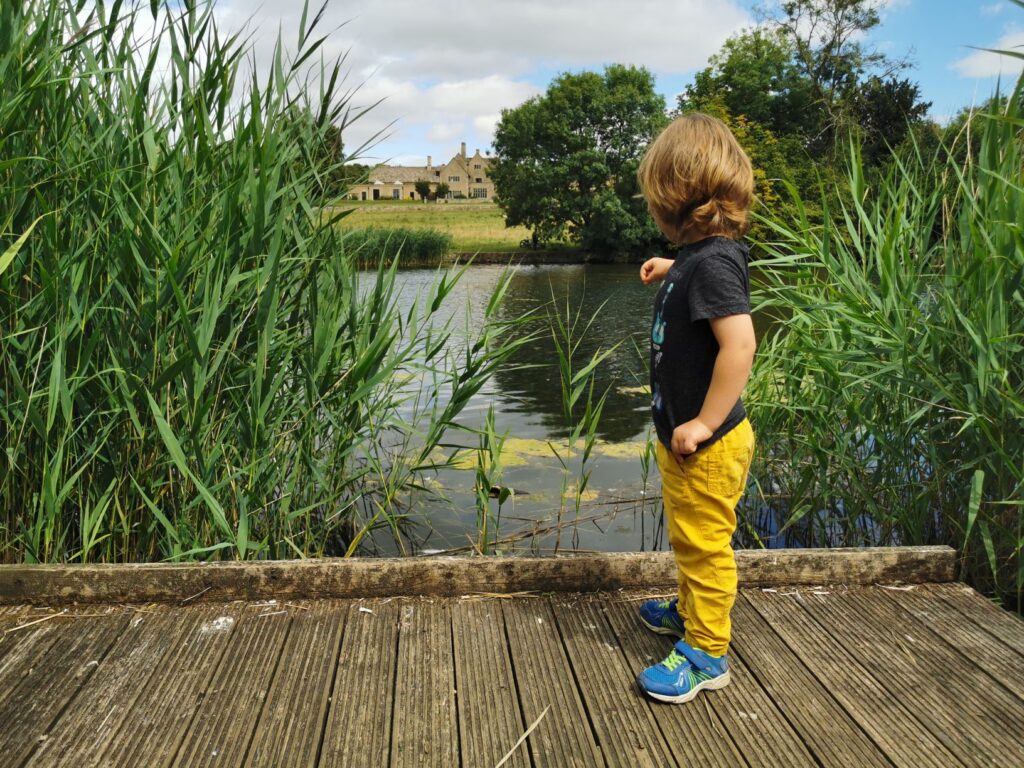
474,226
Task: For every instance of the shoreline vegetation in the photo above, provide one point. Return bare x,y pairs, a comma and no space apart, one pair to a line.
193,364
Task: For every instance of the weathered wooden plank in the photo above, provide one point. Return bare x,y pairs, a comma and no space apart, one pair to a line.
904,739
490,719
358,733
51,681
1003,664
223,726
744,726
425,732
109,696
369,577
978,721
1002,624
22,642
826,728
564,738
152,731
291,726
622,718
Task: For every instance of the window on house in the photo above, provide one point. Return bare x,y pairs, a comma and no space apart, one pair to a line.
479,180
479,192
395,194
454,178
412,195
363,194
476,167
437,173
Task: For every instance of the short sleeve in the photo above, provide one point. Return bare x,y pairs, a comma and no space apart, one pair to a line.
719,287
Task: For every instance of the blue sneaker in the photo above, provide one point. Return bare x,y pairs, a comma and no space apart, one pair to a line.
662,617
685,673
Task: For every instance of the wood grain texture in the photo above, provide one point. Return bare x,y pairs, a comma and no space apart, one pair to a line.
820,677
621,715
291,726
376,577
905,740
826,728
41,687
358,732
425,732
564,738
981,723
224,724
490,719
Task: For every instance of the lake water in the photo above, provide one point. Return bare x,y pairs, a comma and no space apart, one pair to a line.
620,509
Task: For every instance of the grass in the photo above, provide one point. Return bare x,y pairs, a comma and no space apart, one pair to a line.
473,226
411,247
192,363
891,403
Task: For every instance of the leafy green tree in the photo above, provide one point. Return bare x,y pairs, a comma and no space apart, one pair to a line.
886,111
422,187
827,39
756,74
566,161
442,191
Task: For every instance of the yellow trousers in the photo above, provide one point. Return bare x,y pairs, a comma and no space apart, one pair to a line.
700,493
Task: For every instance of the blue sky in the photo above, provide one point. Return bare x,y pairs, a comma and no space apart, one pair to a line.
446,68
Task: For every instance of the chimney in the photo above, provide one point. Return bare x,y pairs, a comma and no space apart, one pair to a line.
463,151
430,166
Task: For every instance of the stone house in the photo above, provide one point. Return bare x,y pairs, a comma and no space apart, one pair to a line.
465,177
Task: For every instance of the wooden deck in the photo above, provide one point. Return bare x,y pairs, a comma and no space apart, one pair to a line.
922,675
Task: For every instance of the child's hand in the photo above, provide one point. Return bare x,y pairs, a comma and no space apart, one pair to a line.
686,437
654,270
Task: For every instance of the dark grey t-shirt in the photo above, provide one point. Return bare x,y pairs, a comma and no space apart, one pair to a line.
709,279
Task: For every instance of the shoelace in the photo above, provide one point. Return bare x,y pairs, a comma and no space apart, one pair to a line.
673,661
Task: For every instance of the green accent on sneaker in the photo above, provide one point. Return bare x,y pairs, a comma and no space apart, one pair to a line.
673,661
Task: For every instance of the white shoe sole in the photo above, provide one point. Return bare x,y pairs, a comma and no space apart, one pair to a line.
661,630
712,685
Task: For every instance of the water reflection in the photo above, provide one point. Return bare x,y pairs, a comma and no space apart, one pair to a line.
621,512
618,309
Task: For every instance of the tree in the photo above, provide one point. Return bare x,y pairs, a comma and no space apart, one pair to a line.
442,191
886,111
422,187
755,74
826,38
566,161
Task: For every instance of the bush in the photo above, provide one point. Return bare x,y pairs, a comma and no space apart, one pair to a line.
411,247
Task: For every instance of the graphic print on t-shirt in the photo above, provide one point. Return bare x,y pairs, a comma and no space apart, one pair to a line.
713,281
658,331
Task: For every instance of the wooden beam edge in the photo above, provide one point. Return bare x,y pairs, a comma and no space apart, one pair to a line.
379,577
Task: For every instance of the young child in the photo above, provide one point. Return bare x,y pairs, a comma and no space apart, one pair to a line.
698,184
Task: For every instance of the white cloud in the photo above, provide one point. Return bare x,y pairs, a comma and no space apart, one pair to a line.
989,64
993,9
450,63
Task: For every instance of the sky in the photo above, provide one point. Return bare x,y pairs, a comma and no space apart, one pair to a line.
446,68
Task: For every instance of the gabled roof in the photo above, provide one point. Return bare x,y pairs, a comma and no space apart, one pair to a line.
389,174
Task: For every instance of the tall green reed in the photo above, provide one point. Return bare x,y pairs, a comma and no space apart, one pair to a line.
582,405
890,404
191,364
412,247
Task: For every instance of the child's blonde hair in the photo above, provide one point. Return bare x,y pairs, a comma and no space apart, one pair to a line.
697,180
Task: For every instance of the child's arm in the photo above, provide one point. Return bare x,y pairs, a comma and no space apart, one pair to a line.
736,344
655,269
